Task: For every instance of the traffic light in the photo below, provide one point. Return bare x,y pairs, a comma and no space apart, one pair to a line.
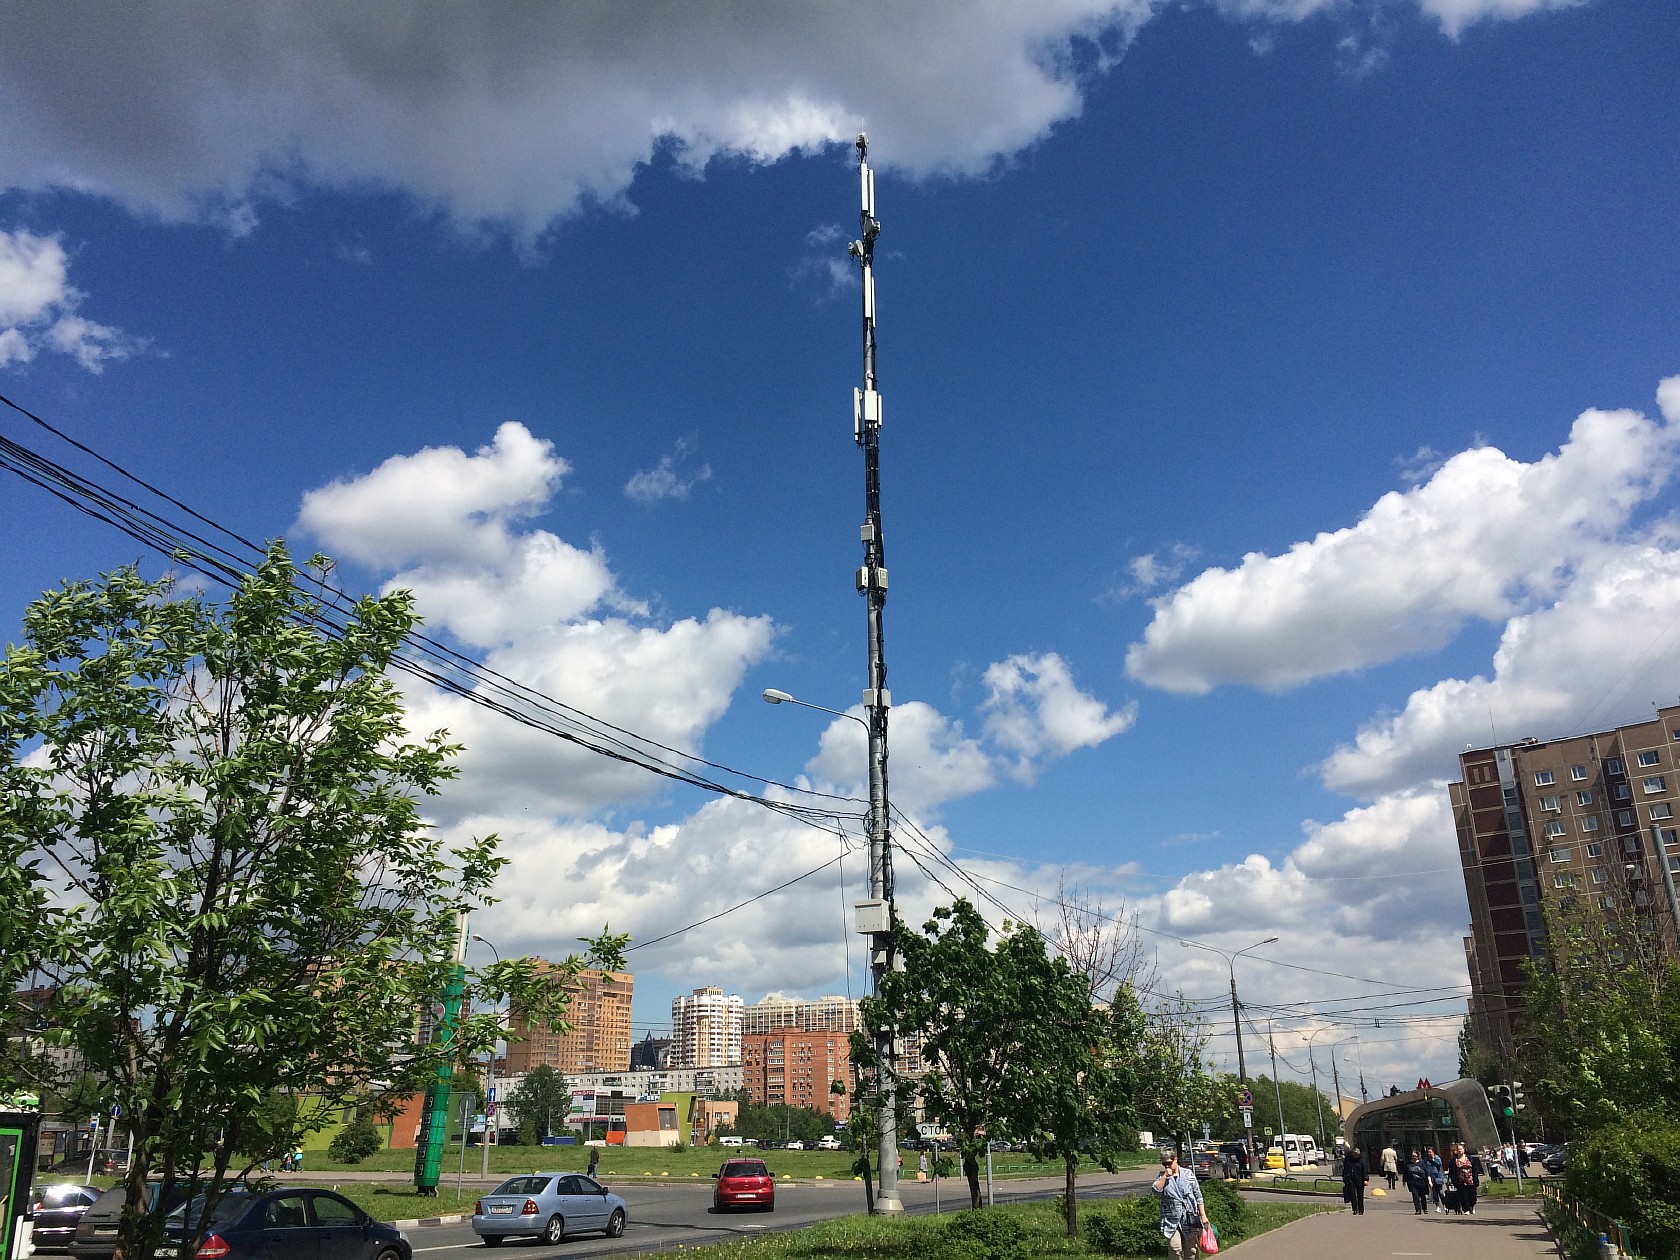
1499,1096
1516,1095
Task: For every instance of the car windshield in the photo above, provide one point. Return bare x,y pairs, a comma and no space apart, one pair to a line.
524,1185
745,1168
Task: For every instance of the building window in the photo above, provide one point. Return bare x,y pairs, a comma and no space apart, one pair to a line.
1554,829
1621,791
1646,759
1559,855
1606,901
1551,804
1630,844
1578,773
1598,876
1544,778
1613,764
1589,822
1652,784
1668,835
1595,850
1662,809
1624,818
1563,879
1583,798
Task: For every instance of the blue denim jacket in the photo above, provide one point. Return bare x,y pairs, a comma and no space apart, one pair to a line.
1181,1202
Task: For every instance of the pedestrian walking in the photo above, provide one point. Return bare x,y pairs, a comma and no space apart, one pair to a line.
1182,1211
921,1167
1437,1178
1391,1165
594,1159
1464,1177
1417,1181
1354,1176
297,1159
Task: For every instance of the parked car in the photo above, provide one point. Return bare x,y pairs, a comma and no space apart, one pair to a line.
1557,1160
795,1145
55,1211
244,1225
1209,1165
828,1142
548,1206
744,1183
1276,1159
1239,1160
96,1232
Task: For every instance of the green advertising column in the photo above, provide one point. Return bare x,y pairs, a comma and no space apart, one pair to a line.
18,1131
434,1119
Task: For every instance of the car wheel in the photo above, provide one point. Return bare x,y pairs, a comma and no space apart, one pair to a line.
491,1240
390,1253
554,1231
615,1226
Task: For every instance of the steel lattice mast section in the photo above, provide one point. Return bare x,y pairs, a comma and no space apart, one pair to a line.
876,917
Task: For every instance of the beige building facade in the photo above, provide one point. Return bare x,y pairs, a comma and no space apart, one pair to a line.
599,1040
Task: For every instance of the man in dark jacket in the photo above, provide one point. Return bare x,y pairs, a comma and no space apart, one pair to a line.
1354,1177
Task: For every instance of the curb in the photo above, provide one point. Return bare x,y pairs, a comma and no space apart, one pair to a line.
430,1220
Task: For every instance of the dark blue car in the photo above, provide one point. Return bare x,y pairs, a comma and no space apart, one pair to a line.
283,1225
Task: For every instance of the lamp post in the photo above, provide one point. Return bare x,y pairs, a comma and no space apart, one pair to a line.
1318,1098
489,1081
878,924
1230,958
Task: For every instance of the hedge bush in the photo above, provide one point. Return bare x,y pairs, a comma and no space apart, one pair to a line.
356,1141
1631,1170
1128,1227
984,1235
1227,1211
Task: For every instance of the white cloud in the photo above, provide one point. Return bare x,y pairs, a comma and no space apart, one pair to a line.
445,519
518,114
667,480
38,307
1457,15
1034,710
1486,537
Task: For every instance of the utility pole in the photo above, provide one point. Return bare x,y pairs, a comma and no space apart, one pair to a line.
1277,1090
1336,1084
876,917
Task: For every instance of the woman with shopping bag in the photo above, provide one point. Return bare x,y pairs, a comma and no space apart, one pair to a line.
1183,1214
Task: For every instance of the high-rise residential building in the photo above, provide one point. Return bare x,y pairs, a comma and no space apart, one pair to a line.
778,1011
799,1068
1588,822
706,1029
599,1016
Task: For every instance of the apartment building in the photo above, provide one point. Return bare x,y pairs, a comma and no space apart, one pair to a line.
799,1068
706,1029
599,1040
777,1011
1587,820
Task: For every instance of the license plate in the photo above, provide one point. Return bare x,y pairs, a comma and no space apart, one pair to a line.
501,1209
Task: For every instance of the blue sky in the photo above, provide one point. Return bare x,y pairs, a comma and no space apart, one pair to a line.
1274,398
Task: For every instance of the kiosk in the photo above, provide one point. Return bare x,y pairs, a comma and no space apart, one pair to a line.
18,1130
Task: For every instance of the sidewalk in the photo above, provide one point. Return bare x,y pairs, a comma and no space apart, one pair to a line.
1504,1229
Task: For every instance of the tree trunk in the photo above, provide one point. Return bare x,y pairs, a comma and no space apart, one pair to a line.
1072,1166
971,1170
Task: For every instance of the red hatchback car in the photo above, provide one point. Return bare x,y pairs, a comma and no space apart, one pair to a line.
744,1183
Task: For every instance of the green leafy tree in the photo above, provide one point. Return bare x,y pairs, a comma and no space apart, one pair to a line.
982,1016
542,1101
356,1141
1603,1021
1176,1091
223,802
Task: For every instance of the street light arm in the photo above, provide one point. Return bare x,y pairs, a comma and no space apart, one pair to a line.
773,696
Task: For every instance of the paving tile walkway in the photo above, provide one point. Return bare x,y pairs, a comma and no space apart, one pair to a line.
1503,1229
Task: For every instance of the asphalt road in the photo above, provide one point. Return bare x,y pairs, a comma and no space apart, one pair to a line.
666,1215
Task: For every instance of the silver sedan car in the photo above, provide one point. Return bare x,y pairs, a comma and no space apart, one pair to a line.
548,1206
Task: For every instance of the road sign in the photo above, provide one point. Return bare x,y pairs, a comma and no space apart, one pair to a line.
490,1109
1207,1130
491,1093
1246,1099
1267,1130
1248,1118
116,1110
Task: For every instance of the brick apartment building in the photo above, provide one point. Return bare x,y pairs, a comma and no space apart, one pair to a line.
1590,820
798,1068
599,1040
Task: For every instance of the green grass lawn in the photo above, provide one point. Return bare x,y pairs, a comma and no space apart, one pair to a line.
921,1237
643,1161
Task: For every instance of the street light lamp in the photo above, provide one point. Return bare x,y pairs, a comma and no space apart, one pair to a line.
876,918
489,1078
1318,1098
1230,958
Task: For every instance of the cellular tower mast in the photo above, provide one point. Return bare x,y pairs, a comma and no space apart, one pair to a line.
876,916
